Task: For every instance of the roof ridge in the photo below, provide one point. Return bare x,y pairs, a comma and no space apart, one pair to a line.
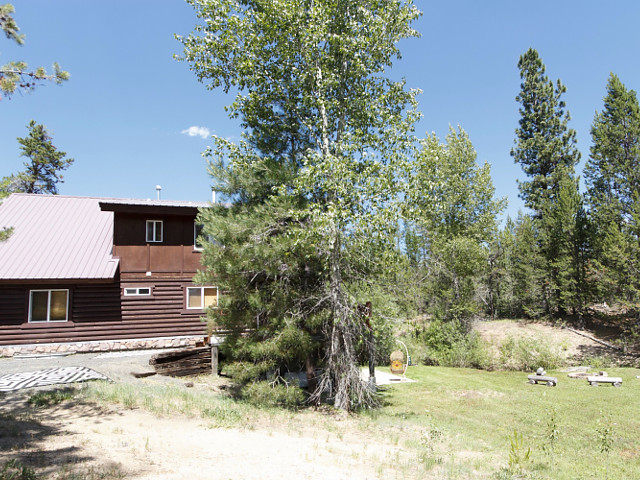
105,199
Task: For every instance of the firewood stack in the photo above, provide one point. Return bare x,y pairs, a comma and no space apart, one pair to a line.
178,363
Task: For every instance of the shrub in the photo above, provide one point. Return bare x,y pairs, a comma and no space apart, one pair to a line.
527,354
267,394
450,344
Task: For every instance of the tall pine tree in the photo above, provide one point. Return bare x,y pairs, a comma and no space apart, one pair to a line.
43,170
544,142
612,176
546,149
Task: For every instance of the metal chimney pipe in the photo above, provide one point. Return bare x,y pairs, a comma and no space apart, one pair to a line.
158,189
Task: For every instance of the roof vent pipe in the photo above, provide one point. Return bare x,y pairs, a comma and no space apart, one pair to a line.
158,190
213,196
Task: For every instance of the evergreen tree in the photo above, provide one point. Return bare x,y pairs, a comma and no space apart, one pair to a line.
42,171
546,149
518,270
15,75
312,215
612,176
563,231
544,143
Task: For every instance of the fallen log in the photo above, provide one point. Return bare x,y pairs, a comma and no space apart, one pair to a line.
597,340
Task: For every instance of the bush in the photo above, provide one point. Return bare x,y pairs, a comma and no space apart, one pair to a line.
527,354
450,344
267,394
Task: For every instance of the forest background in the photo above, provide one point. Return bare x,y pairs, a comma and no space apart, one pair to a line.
333,207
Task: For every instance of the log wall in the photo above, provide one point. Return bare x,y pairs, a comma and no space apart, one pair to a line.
102,312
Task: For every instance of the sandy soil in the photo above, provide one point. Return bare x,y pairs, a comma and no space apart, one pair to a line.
93,442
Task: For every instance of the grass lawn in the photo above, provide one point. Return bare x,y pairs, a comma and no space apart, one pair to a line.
463,421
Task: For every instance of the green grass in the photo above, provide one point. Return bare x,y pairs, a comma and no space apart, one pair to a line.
167,400
451,424
480,411
51,397
14,470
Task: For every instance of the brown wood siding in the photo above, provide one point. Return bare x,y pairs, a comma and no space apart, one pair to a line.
14,304
130,229
99,331
175,254
166,300
90,303
102,312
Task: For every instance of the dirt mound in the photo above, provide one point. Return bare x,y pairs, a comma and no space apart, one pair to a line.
577,347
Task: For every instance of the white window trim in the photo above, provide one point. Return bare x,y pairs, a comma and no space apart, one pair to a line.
201,307
206,238
48,320
136,292
197,247
146,231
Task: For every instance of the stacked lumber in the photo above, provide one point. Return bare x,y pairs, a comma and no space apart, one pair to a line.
178,363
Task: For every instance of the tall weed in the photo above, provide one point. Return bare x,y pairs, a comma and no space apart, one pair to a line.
266,394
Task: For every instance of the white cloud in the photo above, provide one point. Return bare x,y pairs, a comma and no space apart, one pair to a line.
194,131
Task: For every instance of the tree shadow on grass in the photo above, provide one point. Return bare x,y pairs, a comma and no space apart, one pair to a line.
600,357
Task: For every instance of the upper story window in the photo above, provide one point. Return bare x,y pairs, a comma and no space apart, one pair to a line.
48,305
198,243
200,238
154,231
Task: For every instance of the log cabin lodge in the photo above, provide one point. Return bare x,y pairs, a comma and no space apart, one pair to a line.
82,274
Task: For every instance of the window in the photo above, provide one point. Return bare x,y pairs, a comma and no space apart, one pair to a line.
154,230
200,238
199,298
198,244
137,291
48,305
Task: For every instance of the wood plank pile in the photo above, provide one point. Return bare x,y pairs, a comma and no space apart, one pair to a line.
178,363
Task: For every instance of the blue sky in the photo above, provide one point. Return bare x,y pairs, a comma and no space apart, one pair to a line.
125,113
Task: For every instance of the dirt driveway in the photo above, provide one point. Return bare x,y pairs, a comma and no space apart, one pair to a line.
82,440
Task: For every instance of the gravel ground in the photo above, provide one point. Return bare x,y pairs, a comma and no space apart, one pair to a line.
118,366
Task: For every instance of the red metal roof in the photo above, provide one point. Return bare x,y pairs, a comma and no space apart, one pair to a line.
56,237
